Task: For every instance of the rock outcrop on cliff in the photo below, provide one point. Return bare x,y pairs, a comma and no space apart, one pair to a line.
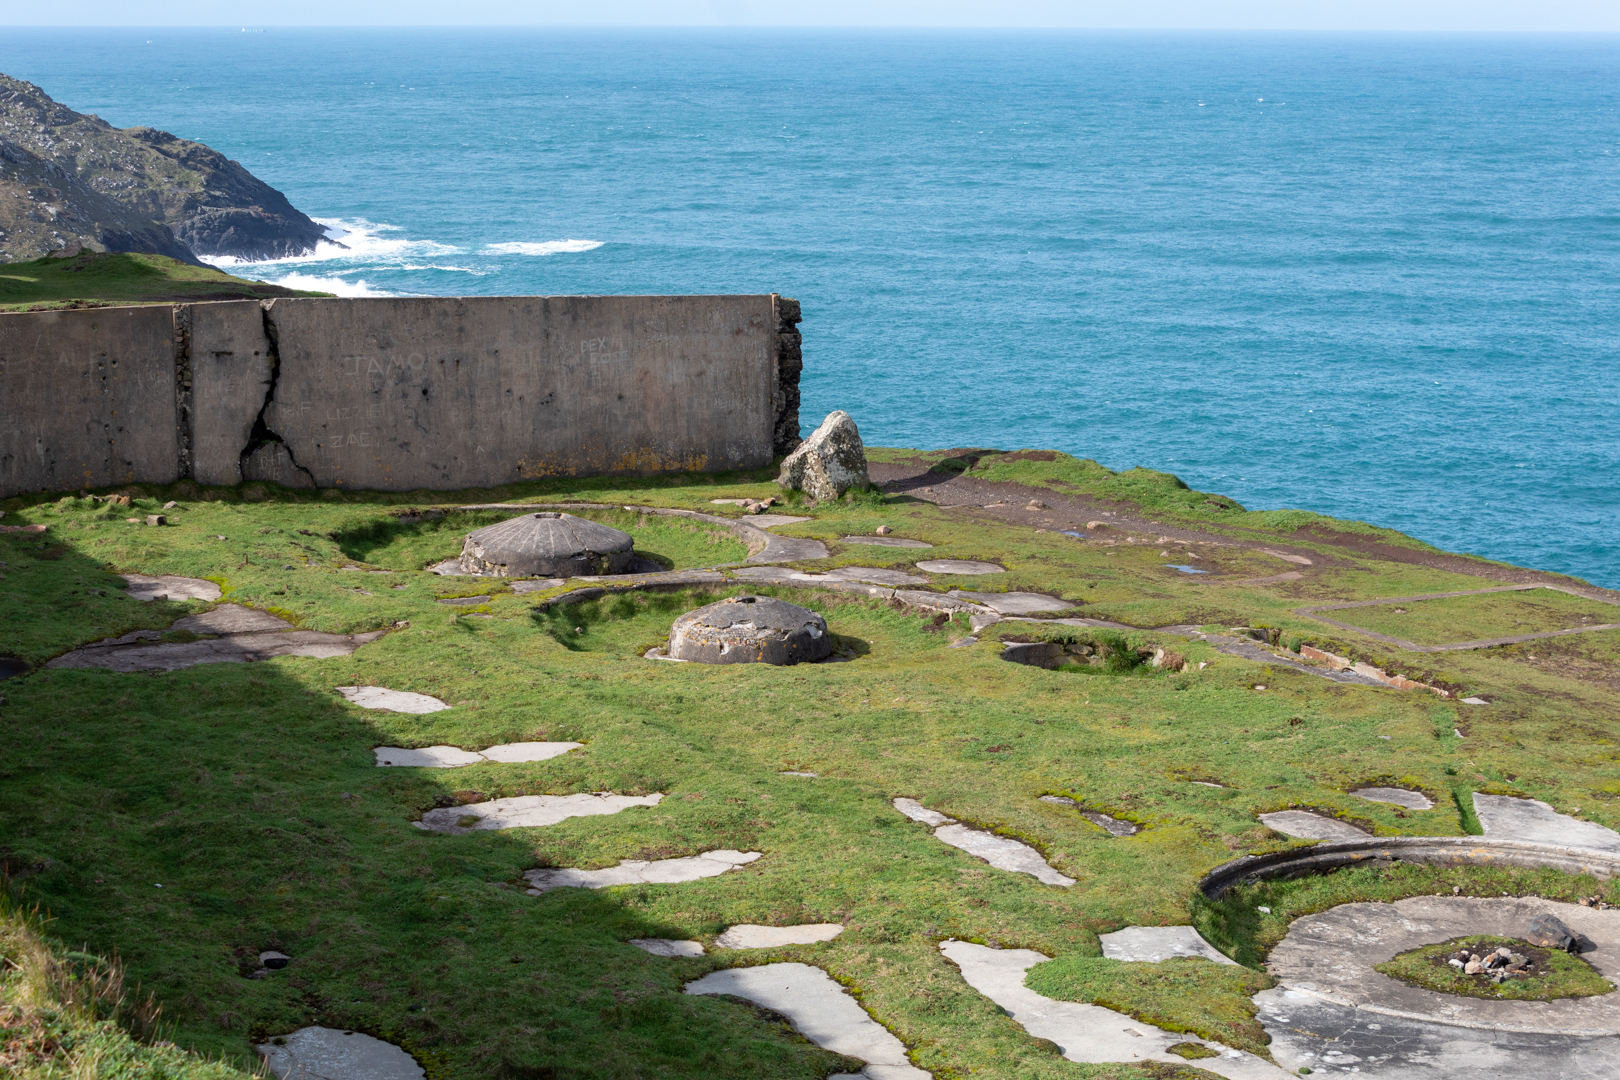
68,177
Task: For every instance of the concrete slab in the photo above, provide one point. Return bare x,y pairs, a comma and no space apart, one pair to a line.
959,566
934,601
1001,853
1014,603
794,772
1505,817
1331,956
141,587
772,521
511,753
426,757
1336,1040
529,811
659,946
886,541
529,585
640,871
1412,800
231,619
400,701
916,811
451,757
140,652
821,1011
877,575
1304,825
782,574
1085,1033
318,1053
751,936
1152,944
781,549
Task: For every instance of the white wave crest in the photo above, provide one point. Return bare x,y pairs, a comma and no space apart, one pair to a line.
547,247
336,285
355,241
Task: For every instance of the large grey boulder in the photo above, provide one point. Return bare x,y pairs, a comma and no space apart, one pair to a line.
829,462
750,630
547,545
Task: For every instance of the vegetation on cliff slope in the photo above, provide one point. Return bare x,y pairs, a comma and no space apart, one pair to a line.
90,279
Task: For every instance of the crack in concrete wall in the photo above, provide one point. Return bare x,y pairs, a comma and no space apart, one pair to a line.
266,455
397,394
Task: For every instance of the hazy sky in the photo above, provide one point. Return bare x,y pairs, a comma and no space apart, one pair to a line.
1463,15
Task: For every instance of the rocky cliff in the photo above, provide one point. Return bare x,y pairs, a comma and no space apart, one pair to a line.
68,177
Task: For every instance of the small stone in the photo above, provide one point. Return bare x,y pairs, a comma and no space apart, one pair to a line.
1093,526
1473,967
1549,932
1454,962
170,505
883,530
1034,505
273,960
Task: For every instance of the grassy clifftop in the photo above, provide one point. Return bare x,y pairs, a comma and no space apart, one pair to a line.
103,279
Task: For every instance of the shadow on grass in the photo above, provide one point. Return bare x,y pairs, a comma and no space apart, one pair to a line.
185,821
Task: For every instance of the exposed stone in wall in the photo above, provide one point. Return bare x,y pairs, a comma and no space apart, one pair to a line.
789,365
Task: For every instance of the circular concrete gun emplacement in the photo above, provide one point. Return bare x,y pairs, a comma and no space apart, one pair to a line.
750,630
547,544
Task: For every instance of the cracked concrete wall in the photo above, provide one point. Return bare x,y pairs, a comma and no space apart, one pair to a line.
87,399
231,375
396,394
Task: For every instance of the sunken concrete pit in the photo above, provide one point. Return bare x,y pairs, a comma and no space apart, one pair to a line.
750,630
547,544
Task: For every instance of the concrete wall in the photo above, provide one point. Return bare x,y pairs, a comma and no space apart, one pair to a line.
397,394
87,399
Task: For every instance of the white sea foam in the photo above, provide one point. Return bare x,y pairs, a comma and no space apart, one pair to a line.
547,247
317,283
358,241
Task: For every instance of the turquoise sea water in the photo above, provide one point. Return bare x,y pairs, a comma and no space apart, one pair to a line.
1377,277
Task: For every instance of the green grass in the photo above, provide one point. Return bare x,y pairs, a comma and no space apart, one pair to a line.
248,791
1557,974
1182,994
70,1014
416,541
1477,618
94,279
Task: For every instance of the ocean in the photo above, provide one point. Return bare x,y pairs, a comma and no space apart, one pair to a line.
1375,276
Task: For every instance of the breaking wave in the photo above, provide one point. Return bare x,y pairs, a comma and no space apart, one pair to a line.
545,247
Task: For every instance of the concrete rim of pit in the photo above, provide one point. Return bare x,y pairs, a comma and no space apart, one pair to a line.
1427,850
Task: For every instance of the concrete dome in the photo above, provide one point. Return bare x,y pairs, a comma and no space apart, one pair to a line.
547,545
750,630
